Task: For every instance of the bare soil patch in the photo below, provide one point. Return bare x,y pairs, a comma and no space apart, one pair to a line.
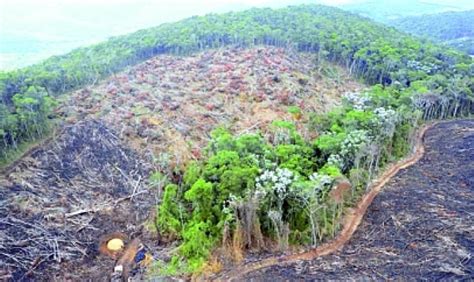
63,196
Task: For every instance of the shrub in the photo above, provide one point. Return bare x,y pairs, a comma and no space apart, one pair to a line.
169,213
248,188
197,245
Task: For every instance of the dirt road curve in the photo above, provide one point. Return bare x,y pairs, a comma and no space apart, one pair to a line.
421,226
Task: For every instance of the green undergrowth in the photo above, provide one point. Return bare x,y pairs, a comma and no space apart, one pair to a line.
252,192
14,155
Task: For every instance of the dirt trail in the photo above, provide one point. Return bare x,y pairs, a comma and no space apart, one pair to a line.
90,179
421,225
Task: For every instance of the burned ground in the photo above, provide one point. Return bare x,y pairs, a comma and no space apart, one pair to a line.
57,202
90,180
419,227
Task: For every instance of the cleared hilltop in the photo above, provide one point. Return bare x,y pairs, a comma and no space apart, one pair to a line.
171,104
211,139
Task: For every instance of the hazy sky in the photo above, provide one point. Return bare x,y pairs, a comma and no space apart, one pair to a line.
32,30
75,19
36,29
51,19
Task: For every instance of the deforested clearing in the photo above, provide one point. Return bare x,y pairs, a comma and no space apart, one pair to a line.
170,104
303,142
93,176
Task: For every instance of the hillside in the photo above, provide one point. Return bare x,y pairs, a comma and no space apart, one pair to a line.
416,215
370,51
455,29
171,104
207,141
387,10
157,115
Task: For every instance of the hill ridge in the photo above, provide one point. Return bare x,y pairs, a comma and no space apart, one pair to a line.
371,51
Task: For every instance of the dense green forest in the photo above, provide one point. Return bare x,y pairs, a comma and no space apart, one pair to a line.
371,51
247,187
455,29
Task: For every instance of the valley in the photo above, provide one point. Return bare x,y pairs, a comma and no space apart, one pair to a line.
451,28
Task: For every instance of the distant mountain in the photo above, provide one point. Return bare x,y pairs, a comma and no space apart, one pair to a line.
452,28
388,10
21,50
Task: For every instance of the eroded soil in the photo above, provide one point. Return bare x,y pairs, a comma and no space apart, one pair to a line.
421,226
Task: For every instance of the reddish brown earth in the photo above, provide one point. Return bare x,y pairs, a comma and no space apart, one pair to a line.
170,104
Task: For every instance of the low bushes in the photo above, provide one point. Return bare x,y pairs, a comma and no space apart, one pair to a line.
251,192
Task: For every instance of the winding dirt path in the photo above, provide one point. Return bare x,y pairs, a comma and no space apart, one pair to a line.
306,265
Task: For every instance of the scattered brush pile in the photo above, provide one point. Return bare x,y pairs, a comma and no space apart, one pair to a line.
281,163
171,104
278,191
61,199
64,196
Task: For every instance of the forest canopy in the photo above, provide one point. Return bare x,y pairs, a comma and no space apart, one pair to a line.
370,51
455,29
